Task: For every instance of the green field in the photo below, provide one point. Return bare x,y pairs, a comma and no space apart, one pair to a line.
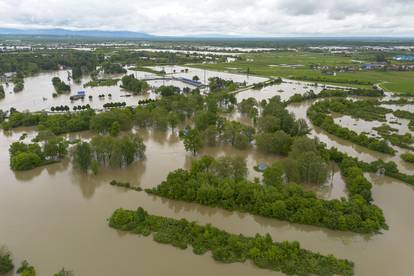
280,64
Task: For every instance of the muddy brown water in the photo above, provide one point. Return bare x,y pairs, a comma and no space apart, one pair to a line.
55,216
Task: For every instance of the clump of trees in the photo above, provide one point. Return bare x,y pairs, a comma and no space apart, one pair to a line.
18,81
28,156
286,257
166,91
109,151
218,84
6,262
113,68
2,94
134,85
60,86
290,202
249,107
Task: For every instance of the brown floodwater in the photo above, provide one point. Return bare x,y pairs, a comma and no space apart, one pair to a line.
55,216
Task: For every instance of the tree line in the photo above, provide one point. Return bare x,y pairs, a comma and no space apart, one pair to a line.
287,257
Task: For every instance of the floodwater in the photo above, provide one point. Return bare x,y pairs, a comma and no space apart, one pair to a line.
55,216
284,90
204,75
38,90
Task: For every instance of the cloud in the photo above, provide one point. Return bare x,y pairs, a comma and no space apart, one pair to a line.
236,17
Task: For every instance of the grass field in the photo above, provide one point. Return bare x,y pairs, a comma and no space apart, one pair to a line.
296,65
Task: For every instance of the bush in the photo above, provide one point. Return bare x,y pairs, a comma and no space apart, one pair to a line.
408,157
6,263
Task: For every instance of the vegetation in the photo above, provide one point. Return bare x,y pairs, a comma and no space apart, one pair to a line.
64,272
286,257
148,70
318,114
26,269
330,93
204,185
408,157
101,82
406,115
125,185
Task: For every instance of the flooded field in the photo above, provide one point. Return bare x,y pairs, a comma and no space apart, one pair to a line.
55,216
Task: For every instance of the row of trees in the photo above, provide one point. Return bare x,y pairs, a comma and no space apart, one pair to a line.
114,104
101,82
113,68
286,257
108,151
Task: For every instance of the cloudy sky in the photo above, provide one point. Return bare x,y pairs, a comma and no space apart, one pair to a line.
228,17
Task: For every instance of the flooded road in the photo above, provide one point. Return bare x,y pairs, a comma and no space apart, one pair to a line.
55,216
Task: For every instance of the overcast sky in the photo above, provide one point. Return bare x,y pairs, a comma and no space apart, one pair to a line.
228,17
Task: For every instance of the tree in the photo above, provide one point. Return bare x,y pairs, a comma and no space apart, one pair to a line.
277,143
273,175
83,156
196,78
192,140
305,163
115,128
268,123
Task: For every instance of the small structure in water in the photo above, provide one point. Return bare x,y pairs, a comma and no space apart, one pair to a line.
261,167
79,95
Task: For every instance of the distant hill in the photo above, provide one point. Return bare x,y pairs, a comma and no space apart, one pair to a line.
74,33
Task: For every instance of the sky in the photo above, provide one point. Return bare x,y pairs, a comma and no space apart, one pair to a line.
268,18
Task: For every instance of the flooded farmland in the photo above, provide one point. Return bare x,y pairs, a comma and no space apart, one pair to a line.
40,209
